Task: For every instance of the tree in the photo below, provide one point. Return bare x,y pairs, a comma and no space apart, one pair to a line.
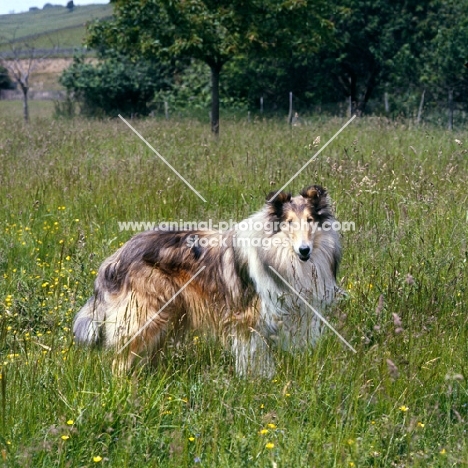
445,55
377,40
213,31
70,6
20,61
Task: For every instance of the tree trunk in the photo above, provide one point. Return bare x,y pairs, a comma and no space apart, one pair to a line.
352,94
215,72
370,86
421,107
450,109
25,90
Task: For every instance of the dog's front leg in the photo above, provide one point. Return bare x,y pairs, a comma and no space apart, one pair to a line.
252,355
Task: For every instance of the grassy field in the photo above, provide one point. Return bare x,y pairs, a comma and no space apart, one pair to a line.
401,401
51,27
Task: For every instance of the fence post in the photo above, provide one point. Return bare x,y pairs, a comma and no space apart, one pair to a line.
261,105
450,109
350,104
166,110
290,115
421,106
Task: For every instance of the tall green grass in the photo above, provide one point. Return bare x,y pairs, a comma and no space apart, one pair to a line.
401,401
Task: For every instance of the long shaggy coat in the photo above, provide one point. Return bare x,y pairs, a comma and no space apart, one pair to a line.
237,283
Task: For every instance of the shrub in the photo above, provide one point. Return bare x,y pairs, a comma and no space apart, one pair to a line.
115,85
5,81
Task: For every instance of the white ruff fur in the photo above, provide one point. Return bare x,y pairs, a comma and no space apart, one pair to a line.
285,319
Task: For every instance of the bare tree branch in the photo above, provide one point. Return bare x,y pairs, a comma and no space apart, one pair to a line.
21,61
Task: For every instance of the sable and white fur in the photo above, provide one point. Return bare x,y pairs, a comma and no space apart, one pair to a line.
237,295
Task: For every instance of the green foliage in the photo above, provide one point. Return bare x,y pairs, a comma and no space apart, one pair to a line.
373,38
191,89
447,52
5,80
396,47
212,32
402,401
270,48
325,52
248,79
115,85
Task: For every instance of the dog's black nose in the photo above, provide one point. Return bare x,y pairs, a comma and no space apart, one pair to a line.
304,251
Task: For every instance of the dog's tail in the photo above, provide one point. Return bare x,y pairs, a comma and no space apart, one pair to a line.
86,326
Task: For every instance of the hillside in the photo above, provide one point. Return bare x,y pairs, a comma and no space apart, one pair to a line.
50,27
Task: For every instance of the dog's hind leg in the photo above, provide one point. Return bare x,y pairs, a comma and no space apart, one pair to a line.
141,336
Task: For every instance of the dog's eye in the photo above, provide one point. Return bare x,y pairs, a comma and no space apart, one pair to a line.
310,220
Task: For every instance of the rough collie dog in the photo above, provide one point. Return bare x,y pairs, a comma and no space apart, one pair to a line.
237,283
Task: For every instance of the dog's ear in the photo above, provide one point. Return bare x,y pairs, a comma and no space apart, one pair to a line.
276,201
314,192
281,197
317,197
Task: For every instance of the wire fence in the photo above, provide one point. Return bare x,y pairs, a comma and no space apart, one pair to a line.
56,52
431,111
453,115
15,95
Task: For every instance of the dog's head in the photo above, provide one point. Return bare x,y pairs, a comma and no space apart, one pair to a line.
300,217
